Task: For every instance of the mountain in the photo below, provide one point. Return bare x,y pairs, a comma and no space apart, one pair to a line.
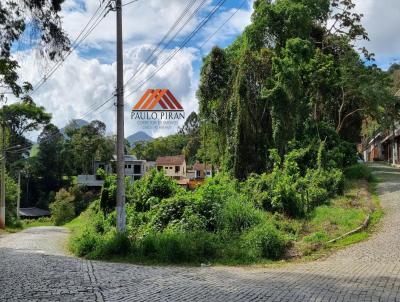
77,123
138,137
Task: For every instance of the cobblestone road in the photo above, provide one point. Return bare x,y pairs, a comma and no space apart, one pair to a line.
33,268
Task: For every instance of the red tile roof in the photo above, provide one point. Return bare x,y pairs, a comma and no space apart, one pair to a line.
170,160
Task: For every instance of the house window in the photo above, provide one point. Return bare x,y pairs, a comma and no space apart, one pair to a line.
208,173
136,177
128,166
137,169
177,169
159,168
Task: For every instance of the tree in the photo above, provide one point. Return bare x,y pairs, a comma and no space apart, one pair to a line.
19,119
88,144
50,164
287,73
43,21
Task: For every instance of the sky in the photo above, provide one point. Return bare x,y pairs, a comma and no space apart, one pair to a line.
87,78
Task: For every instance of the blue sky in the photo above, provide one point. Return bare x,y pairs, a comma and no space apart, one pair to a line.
87,78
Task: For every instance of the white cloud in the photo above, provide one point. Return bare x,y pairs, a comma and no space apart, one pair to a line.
143,21
81,83
382,21
237,21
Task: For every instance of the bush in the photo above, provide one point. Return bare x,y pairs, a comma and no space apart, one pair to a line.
112,244
359,171
172,246
150,190
11,203
211,197
264,241
85,242
171,210
238,215
63,209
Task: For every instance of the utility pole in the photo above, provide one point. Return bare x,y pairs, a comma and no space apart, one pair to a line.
3,180
121,215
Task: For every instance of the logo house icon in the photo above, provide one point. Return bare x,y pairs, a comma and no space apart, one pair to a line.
158,100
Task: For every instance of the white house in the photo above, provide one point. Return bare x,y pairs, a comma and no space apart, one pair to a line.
134,169
173,166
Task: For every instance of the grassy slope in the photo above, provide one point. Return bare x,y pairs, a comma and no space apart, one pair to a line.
342,215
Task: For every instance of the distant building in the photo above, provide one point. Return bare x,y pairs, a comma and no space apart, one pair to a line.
202,170
134,169
173,166
384,147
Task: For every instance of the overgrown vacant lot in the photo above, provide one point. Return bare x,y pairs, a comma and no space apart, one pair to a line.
282,214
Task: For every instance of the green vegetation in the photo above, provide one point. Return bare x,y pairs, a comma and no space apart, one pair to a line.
280,112
63,209
359,171
186,142
224,220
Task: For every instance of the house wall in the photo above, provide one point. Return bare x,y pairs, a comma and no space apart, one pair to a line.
173,170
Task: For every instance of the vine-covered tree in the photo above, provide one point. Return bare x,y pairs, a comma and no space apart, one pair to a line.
293,68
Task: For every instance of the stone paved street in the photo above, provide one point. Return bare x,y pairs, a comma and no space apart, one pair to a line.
33,267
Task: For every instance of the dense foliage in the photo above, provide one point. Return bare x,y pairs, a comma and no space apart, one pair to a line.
63,209
287,73
186,142
222,220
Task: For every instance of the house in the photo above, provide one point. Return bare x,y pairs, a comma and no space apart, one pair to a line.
150,165
134,169
173,166
390,147
385,146
374,151
202,170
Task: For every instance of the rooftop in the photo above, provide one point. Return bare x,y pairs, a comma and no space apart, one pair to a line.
170,160
201,167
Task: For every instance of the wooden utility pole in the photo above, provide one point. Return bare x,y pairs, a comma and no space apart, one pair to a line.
121,215
3,179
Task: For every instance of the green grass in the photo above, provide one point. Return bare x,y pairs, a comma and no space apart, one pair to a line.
343,214
43,221
359,171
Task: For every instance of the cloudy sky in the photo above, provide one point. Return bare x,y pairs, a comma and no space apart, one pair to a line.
87,78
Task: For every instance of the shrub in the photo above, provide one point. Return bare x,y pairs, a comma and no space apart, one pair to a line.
63,209
85,242
320,185
359,171
211,197
238,215
172,246
171,209
108,196
264,241
112,244
11,203
150,190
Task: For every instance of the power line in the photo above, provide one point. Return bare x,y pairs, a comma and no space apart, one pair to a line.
168,59
185,42
78,40
133,1
223,24
149,58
